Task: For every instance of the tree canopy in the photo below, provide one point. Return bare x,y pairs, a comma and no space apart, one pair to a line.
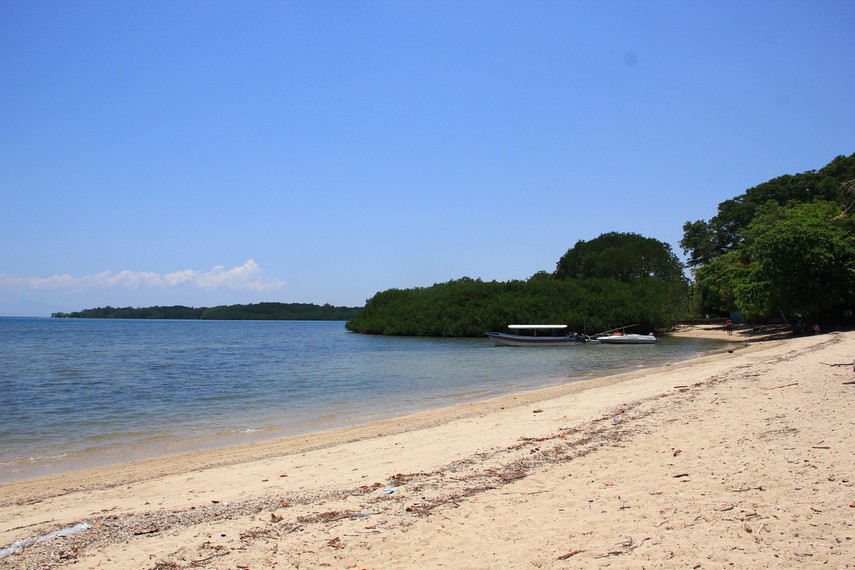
621,256
586,291
705,240
785,245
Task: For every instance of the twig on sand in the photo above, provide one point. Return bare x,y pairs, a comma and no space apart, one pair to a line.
781,386
570,554
839,364
628,546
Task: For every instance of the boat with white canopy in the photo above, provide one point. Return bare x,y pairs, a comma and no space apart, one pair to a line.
535,335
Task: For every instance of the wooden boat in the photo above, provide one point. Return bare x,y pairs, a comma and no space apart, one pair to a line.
628,339
535,335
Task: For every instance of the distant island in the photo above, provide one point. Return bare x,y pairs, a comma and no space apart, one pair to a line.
252,312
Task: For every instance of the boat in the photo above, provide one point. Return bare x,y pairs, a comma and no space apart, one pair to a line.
535,335
628,339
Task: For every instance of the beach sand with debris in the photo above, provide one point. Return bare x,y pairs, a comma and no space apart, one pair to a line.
744,458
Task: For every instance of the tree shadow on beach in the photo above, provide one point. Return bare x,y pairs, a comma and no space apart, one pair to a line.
763,333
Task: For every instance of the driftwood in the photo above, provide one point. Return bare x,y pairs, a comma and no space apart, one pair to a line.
839,364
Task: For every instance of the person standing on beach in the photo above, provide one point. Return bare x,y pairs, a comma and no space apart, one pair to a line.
728,324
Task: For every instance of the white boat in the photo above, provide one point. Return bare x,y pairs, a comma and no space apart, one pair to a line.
628,339
535,335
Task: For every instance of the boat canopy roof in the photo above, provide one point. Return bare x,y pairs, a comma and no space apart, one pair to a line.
537,326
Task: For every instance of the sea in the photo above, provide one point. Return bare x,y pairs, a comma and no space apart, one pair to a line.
83,392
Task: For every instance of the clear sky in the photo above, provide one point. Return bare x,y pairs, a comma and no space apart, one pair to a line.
220,152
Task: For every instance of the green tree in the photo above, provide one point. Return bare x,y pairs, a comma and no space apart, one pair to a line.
784,245
717,282
727,230
698,243
803,260
625,257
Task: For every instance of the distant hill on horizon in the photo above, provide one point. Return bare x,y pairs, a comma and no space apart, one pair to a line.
270,311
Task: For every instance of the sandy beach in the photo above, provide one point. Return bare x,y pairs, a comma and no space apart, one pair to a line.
744,458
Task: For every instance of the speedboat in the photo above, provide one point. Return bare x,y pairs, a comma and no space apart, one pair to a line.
628,339
535,335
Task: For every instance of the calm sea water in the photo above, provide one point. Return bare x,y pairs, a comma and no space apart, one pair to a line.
82,392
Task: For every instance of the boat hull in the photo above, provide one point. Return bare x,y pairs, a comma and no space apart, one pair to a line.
507,339
629,339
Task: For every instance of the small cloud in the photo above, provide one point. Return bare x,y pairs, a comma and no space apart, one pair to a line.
248,276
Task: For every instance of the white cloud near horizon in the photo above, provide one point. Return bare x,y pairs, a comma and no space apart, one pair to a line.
246,277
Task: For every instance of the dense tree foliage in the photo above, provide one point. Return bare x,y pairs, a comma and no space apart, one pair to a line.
624,257
257,311
705,240
786,245
281,312
651,294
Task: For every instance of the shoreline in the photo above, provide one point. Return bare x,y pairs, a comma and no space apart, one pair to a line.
224,455
163,447
372,495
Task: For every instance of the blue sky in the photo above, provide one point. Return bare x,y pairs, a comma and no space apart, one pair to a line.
213,152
